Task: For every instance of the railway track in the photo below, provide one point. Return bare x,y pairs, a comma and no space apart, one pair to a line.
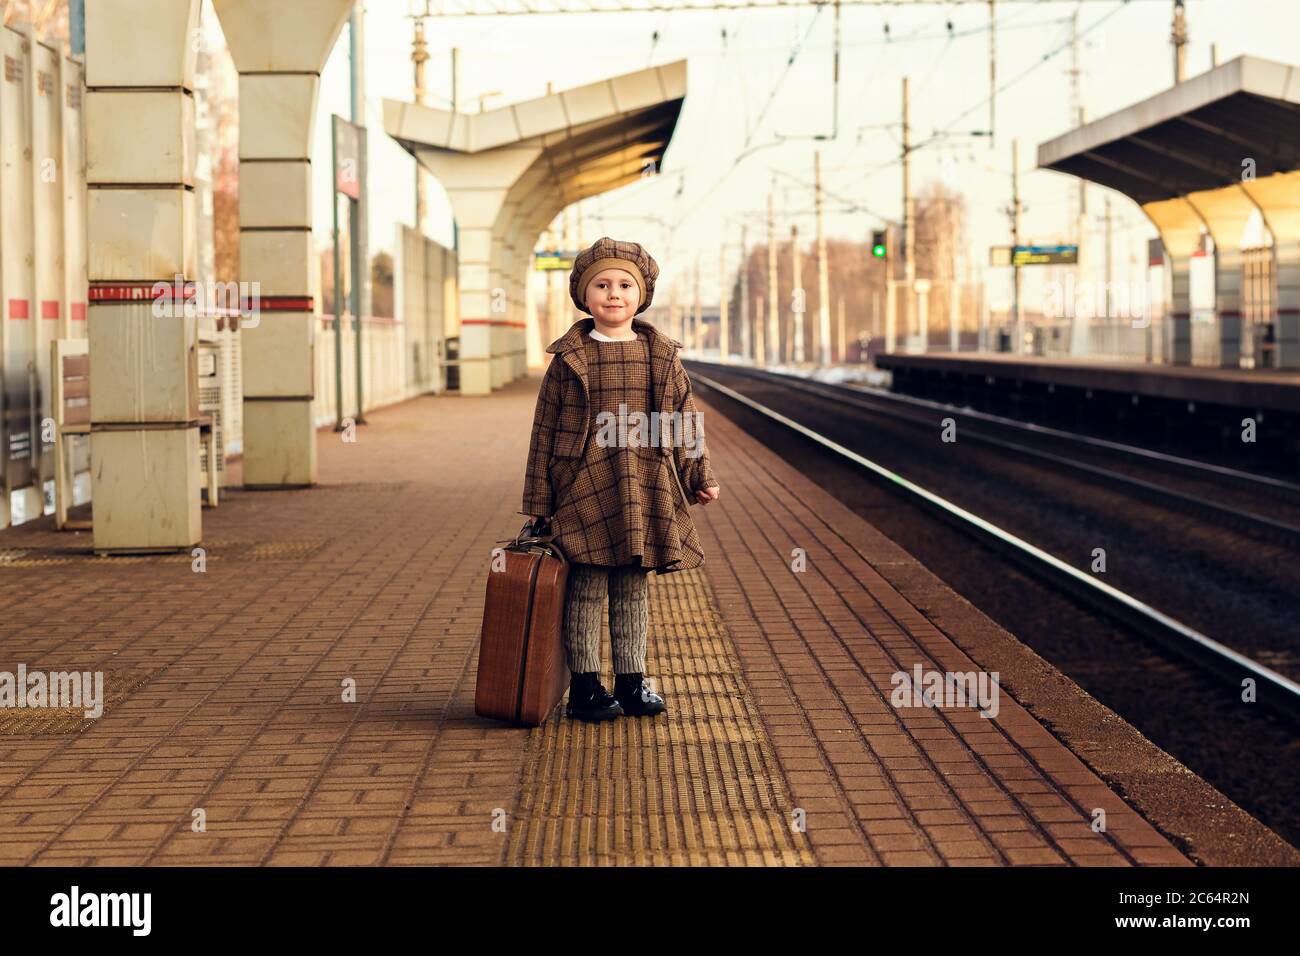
1131,469
1165,644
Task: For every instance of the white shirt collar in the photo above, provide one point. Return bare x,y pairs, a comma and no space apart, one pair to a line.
602,337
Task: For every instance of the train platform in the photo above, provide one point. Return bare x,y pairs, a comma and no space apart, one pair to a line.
1253,389
301,692
1241,418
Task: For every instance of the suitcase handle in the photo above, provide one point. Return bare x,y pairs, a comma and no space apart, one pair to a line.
527,540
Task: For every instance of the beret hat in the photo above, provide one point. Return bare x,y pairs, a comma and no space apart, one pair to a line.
607,253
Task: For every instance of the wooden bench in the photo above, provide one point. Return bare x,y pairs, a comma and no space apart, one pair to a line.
70,360
71,404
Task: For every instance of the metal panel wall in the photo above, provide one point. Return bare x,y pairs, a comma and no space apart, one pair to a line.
47,245
420,274
18,344
42,260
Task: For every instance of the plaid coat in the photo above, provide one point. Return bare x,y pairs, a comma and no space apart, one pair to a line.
562,424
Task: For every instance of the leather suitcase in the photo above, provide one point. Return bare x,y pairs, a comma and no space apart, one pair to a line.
522,672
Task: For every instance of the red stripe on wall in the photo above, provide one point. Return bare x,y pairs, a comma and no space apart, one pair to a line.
19,309
50,309
279,303
128,292
78,312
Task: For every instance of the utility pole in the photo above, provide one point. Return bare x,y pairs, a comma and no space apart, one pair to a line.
548,324
356,214
570,244
695,307
797,295
909,220
1179,39
420,56
1110,236
843,344
357,70
1077,341
760,351
891,297
722,304
993,69
745,351
1017,345
823,268
773,294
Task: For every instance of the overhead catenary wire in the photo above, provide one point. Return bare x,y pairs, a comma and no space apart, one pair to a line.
557,8
938,134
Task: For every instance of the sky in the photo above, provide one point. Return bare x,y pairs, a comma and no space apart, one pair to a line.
771,77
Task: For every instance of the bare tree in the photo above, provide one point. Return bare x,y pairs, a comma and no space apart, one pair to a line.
49,17
941,242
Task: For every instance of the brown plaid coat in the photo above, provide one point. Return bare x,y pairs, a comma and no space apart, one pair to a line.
562,425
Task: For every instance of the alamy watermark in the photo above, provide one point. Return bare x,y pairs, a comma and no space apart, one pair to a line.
1088,299
64,689
75,908
189,298
638,429
946,689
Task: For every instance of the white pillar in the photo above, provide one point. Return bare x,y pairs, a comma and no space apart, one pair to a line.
1278,197
1180,231
1226,213
279,49
477,186
140,229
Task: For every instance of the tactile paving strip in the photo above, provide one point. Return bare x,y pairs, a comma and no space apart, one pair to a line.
20,721
293,550
698,785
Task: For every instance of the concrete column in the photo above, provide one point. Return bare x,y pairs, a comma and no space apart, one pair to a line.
1180,231
1286,323
1227,303
1180,309
140,207
513,265
534,230
1278,197
279,48
477,187
1226,213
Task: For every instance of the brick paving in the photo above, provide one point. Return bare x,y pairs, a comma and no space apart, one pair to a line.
232,735
879,784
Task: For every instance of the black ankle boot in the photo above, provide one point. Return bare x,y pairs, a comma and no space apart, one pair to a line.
637,699
589,701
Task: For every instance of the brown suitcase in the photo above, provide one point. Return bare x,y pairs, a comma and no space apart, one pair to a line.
522,672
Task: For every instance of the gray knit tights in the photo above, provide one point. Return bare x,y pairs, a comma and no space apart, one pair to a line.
628,589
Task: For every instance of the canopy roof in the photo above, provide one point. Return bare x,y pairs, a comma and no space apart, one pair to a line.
1193,137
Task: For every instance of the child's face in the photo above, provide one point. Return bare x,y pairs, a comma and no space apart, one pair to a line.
612,296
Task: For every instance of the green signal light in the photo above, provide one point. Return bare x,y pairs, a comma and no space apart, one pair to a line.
878,250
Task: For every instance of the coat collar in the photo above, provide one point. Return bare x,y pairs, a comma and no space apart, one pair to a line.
569,347
577,335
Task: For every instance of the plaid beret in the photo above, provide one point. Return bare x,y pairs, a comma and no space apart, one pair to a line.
607,253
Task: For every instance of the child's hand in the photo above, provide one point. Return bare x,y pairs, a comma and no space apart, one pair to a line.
705,495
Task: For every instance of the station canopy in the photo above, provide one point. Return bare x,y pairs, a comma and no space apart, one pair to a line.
592,138
1241,118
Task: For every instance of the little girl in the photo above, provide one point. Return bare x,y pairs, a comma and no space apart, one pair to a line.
615,495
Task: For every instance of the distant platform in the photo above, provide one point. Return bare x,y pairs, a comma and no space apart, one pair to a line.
1233,388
